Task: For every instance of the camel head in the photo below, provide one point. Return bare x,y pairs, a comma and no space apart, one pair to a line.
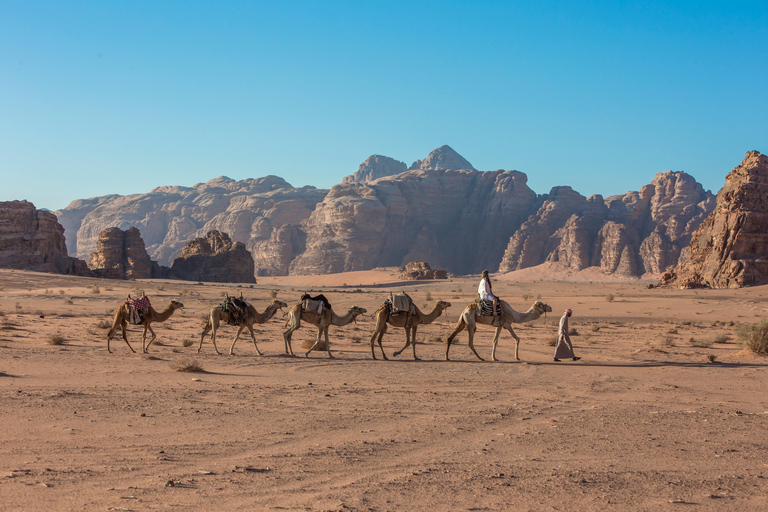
278,304
355,311
443,304
541,307
174,304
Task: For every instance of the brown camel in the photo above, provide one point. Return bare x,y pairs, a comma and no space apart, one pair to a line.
471,316
322,320
121,321
216,316
409,322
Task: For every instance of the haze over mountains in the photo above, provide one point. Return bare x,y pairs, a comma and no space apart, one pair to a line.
439,210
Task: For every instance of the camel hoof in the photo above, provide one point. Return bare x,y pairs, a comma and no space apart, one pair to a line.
416,358
307,354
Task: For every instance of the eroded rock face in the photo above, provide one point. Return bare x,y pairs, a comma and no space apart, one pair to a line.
730,248
252,211
457,219
215,258
375,167
444,158
32,239
121,255
630,234
417,270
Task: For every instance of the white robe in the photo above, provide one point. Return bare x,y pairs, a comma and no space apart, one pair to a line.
564,348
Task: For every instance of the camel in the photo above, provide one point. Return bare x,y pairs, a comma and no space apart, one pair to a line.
251,317
409,322
121,321
322,320
471,316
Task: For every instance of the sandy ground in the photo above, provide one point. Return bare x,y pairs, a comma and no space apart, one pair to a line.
642,422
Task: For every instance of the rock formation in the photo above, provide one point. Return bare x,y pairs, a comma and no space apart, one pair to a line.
631,234
258,212
32,239
422,270
445,158
730,248
215,258
121,255
375,167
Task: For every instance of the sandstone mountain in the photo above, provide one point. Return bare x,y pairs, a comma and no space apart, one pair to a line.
730,248
168,217
630,234
375,167
32,239
121,255
442,211
215,258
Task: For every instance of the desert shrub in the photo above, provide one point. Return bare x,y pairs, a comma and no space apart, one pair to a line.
103,324
55,339
526,296
700,343
61,292
307,344
160,287
720,338
730,324
573,332
687,322
754,336
673,330
354,339
186,364
609,297
428,296
667,341
186,342
18,307
552,342
68,302
47,291
595,328
529,325
95,289
273,293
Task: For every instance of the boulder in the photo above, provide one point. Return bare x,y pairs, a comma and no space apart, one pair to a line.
730,248
215,258
121,255
417,270
32,239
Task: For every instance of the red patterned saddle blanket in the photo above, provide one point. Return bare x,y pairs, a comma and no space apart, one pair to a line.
137,308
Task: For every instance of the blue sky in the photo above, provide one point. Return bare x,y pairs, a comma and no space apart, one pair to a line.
123,96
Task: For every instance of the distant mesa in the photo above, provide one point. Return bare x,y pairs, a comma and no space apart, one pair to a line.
215,258
121,255
730,248
32,239
417,270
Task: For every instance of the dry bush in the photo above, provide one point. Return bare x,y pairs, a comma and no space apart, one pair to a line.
55,339
754,336
609,297
68,302
673,330
61,292
595,328
667,341
186,364
307,344
526,296
183,291
552,342
103,324
186,342
720,338
273,293
700,343
95,289
18,307
573,332
354,339
160,287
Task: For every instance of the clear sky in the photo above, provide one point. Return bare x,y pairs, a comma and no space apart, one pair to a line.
100,97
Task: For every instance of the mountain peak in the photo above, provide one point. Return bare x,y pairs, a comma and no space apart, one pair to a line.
443,157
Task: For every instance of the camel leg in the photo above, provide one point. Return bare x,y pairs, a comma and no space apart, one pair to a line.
495,342
517,340
459,327
289,333
206,330
328,342
471,343
407,342
253,338
123,330
381,336
239,330
319,337
148,328
413,343
378,331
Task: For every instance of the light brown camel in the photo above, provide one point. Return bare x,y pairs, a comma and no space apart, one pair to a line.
121,321
217,315
471,316
409,322
322,320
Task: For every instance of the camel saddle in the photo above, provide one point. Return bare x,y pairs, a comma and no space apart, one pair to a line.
236,309
486,307
137,309
400,303
314,304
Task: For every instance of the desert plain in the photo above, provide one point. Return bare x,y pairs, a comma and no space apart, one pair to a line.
665,410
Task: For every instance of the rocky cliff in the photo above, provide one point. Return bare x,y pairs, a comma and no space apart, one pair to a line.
32,239
630,234
250,211
730,248
444,158
215,258
375,167
122,255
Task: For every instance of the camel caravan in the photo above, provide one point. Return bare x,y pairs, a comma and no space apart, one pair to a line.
397,310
